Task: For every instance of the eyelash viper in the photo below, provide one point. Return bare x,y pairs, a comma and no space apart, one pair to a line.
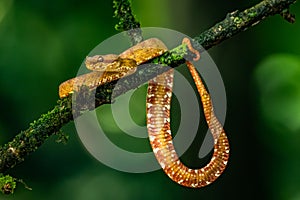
112,67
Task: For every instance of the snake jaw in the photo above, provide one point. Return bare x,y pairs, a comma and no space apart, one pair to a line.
92,62
99,62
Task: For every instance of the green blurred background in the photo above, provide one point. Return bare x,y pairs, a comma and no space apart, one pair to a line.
42,43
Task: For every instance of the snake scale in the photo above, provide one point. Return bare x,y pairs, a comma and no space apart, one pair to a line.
112,67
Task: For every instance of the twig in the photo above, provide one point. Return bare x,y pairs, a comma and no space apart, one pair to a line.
127,21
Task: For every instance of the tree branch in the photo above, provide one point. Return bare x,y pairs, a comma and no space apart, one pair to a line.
50,123
127,21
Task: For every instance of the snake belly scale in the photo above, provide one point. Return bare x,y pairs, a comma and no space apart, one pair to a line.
112,67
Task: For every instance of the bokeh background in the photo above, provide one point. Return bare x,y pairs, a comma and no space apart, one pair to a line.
42,43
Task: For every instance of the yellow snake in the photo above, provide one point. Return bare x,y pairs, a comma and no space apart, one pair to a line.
112,67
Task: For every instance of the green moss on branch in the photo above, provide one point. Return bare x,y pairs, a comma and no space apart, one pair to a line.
127,21
238,21
29,140
7,184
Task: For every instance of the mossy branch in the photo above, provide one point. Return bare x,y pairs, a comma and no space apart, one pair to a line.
50,123
127,21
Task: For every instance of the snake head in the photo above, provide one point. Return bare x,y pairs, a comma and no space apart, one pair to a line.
100,62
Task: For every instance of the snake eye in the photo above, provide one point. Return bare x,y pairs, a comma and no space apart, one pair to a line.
100,59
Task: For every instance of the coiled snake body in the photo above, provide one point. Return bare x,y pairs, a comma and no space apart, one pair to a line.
158,109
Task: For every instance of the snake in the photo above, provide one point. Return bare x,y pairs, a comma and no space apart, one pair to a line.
110,67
